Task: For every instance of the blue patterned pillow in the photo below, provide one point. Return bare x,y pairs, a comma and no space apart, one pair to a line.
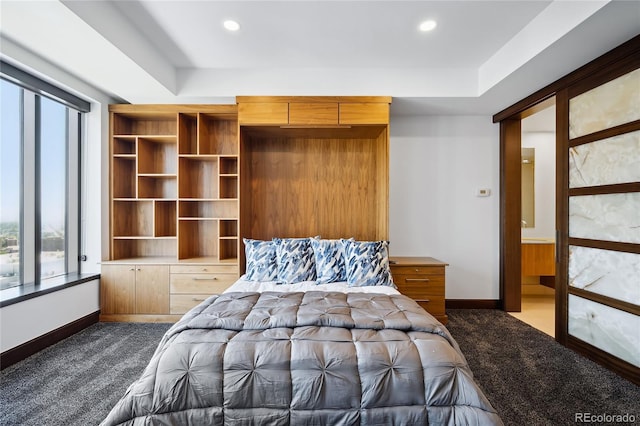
294,257
261,260
329,258
367,263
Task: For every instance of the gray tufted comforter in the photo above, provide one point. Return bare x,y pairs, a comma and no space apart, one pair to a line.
317,358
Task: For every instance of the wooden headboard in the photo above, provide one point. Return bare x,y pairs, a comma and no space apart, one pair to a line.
314,166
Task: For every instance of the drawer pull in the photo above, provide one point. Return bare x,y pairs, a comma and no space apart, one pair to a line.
204,279
416,280
198,299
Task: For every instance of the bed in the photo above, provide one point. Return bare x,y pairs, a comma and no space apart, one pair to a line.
304,352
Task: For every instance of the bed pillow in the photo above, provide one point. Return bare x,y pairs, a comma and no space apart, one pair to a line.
329,259
261,260
295,261
367,263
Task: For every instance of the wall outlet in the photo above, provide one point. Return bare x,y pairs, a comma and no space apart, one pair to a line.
483,192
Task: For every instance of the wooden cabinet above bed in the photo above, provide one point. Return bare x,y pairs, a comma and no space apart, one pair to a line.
320,168
313,110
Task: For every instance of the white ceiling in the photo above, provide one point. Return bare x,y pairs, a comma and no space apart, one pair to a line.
482,57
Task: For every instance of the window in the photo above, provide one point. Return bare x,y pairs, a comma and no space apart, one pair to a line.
10,183
39,179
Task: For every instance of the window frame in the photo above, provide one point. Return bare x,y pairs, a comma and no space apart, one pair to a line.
32,90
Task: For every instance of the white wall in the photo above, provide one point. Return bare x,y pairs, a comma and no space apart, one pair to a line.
24,321
544,182
437,165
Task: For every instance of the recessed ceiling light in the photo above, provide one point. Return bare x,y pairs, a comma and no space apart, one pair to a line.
231,25
428,25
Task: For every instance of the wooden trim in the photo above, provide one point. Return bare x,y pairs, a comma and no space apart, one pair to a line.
605,300
618,366
510,213
562,215
140,109
618,188
25,350
472,304
606,245
547,103
625,50
140,318
604,75
606,133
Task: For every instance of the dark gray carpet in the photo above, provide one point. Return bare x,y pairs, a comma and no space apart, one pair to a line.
527,376
77,381
533,380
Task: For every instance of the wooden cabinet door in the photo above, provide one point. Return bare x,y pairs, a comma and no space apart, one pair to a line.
117,289
313,113
152,289
364,113
263,113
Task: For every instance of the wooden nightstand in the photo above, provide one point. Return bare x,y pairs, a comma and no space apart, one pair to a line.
423,280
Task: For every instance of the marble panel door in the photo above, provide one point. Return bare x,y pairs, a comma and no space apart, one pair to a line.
603,283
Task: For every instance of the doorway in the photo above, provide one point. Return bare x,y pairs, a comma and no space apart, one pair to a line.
538,226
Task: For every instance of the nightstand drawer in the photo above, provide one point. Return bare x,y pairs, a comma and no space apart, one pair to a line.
420,270
416,286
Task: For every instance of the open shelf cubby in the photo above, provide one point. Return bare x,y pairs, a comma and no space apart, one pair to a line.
228,248
124,145
229,187
228,228
125,184
217,134
145,124
229,166
188,134
157,155
196,209
197,238
157,187
132,218
198,177
165,218
144,248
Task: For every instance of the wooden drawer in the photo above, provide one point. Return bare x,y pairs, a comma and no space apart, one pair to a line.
203,269
421,270
201,283
181,303
416,286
